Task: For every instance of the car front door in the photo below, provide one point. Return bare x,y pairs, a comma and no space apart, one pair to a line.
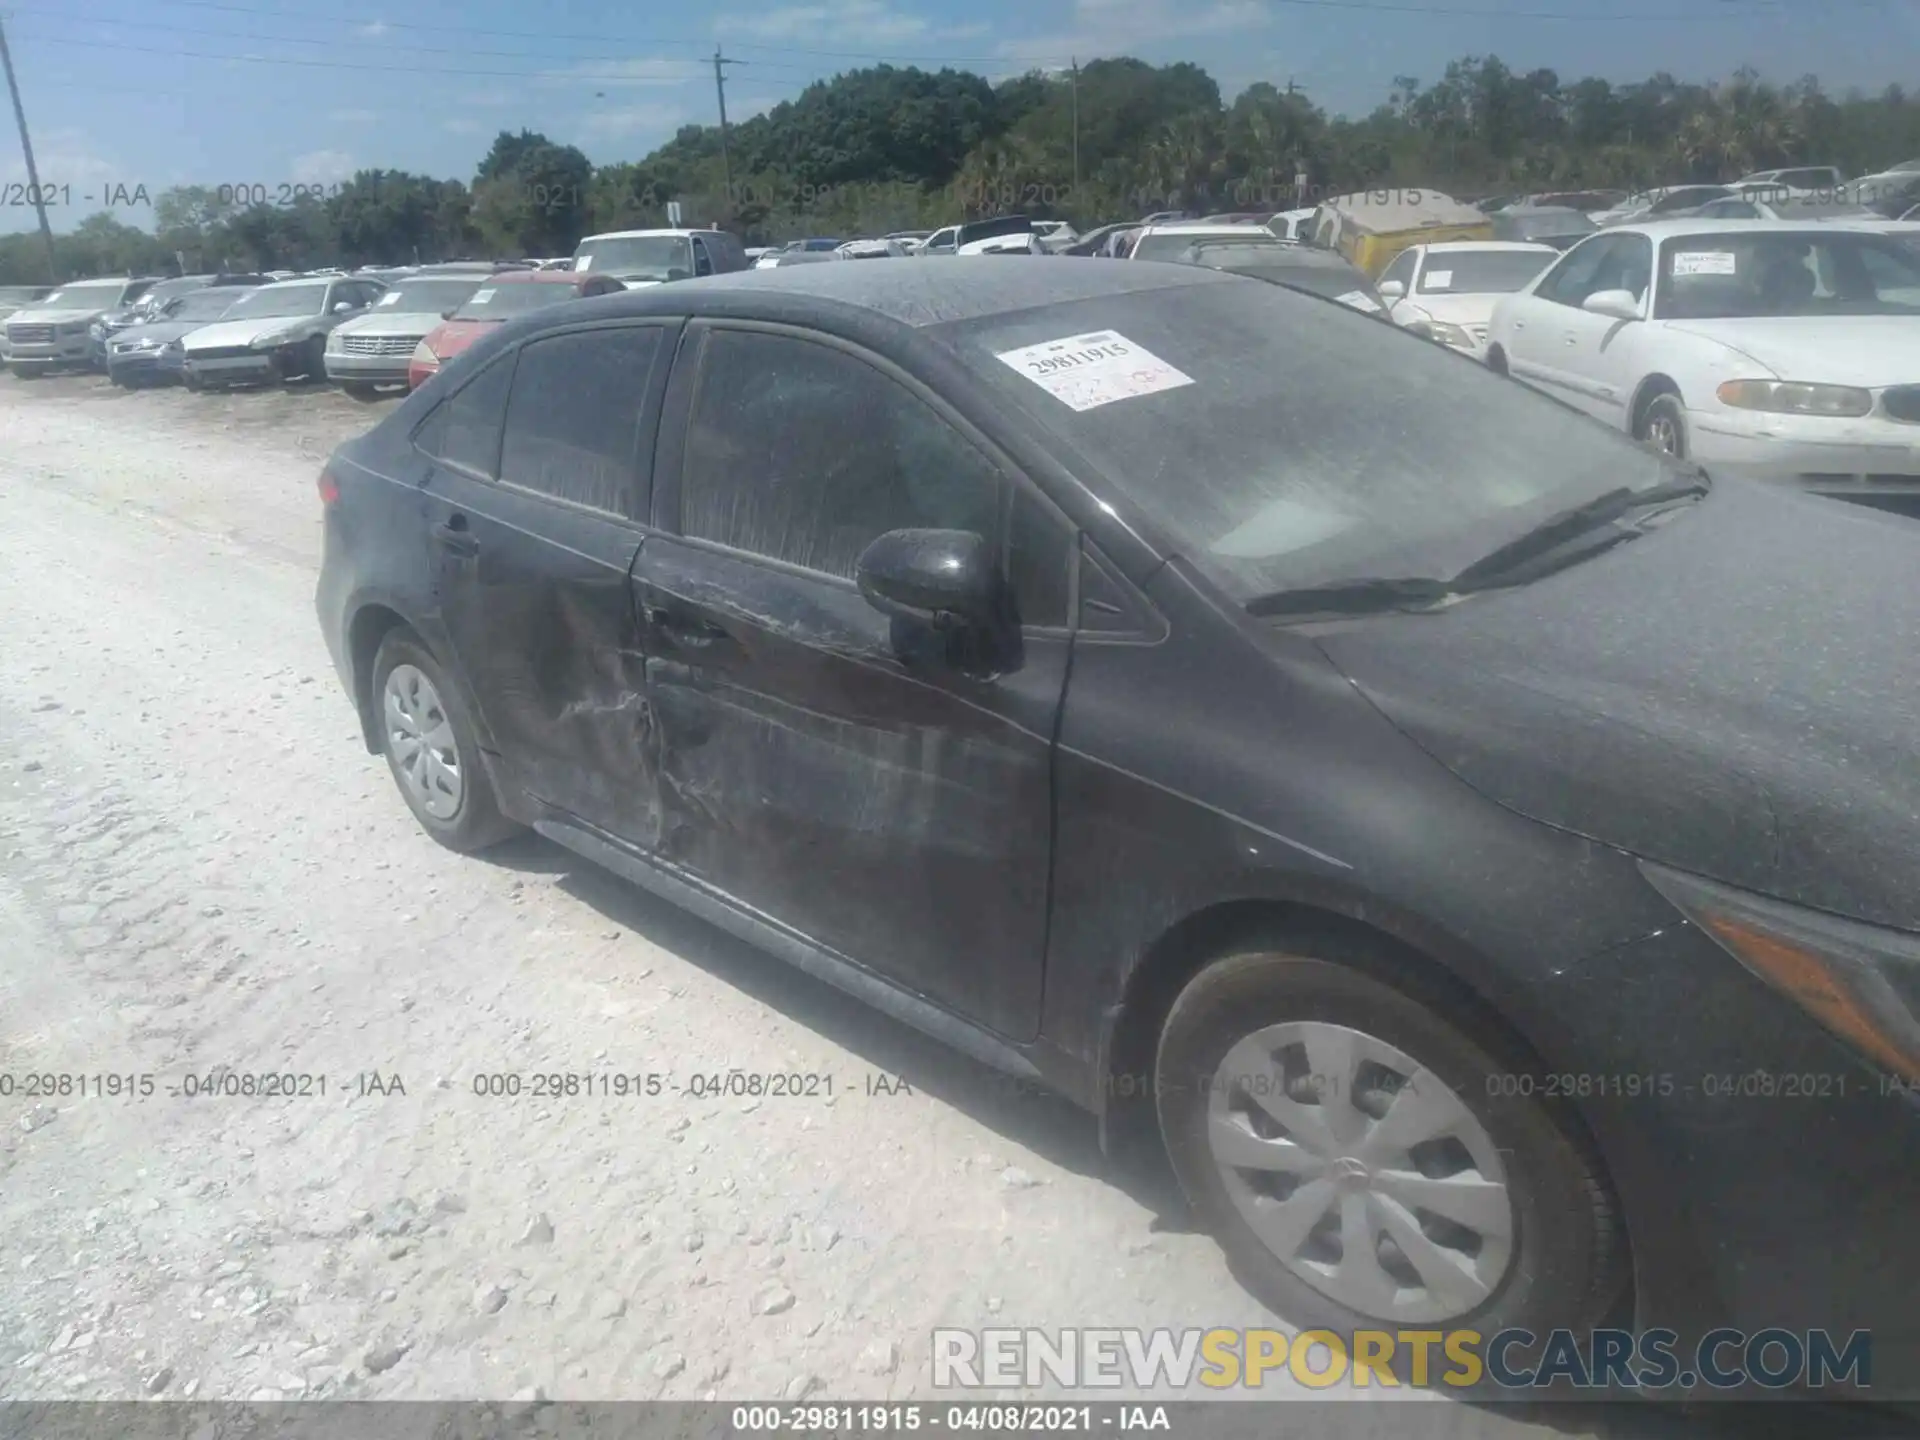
536,508
1400,308
1599,348
1545,327
819,764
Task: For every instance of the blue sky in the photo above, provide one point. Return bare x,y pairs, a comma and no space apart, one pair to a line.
268,92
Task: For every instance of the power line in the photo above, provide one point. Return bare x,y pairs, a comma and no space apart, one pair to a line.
26,150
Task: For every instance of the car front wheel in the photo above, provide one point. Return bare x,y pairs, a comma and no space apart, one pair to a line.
1663,425
1369,1159
430,747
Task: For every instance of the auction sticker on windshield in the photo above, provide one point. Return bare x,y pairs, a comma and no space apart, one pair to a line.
1094,369
392,297
1704,262
1436,280
481,297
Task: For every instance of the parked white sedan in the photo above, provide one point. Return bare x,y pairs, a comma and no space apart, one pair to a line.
1778,351
1450,289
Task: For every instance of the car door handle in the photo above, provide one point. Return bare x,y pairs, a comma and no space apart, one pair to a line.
456,540
684,628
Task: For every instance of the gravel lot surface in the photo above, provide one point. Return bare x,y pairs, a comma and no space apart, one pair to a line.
200,868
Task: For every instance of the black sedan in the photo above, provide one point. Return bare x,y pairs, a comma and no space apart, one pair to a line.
149,352
1491,852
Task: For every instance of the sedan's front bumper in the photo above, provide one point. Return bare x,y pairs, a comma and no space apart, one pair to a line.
1766,1173
1856,459
232,369
367,369
126,366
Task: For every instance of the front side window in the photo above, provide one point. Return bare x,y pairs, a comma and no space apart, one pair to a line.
800,452
1613,262
574,415
1402,270
464,429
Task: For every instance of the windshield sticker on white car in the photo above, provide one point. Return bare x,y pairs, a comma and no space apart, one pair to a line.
1436,280
1087,371
1704,262
392,297
480,297
1358,299
583,264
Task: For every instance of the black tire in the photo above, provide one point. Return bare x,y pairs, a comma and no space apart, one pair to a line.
313,360
359,390
1497,360
192,381
477,823
1663,425
1568,1262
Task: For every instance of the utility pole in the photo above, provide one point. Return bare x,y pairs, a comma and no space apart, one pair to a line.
720,90
1074,89
26,149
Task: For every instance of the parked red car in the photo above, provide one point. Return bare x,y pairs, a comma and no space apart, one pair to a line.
499,300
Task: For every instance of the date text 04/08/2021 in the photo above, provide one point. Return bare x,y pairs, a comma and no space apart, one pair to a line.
983,1417
223,1082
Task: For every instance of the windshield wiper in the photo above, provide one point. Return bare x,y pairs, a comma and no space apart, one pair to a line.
1505,565
1556,530
1353,597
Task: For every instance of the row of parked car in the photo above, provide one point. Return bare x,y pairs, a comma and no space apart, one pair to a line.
1780,347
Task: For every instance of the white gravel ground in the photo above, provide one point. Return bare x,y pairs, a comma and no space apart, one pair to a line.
200,867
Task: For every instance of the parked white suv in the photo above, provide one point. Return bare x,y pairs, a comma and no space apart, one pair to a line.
51,333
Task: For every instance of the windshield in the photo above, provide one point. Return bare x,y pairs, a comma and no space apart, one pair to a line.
1738,274
206,304
94,295
428,296
274,302
1264,462
517,297
1481,272
645,257
20,294
168,289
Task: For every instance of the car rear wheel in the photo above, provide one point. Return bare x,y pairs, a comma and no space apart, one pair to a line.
1663,425
1370,1157
429,743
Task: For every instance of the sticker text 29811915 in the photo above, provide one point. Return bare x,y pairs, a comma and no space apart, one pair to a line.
1094,369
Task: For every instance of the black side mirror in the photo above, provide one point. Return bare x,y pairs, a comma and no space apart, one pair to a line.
951,606
448,314
943,578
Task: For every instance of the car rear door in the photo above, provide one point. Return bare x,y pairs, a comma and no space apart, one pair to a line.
535,513
816,766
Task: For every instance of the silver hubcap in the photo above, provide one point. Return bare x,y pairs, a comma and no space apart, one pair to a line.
1362,1173
420,740
1664,434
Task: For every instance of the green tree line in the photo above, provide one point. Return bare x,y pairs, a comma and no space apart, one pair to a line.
889,148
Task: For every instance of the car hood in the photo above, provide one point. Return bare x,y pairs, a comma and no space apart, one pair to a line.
244,332
161,330
37,315
1467,309
453,336
391,322
1732,694
1869,350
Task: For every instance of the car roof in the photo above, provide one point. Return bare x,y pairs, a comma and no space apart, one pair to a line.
301,280
1658,230
913,292
539,277
1455,247
641,234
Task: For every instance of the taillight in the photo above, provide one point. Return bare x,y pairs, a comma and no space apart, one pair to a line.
329,488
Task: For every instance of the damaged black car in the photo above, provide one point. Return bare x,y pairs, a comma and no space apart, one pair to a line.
1483,852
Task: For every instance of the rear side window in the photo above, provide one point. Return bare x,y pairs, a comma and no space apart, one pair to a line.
573,420
464,429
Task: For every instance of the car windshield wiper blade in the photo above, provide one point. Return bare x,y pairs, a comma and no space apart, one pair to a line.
1356,596
1556,530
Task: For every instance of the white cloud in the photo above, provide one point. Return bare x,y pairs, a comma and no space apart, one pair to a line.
322,167
353,117
651,119
870,22
67,158
1113,27
459,126
374,30
605,74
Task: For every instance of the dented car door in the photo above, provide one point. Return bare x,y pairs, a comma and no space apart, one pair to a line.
533,540
894,811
